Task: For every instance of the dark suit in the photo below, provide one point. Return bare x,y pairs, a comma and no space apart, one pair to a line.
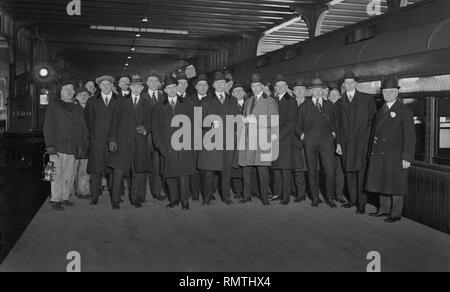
212,161
300,167
122,95
393,140
283,166
318,128
353,125
155,177
98,120
237,184
195,184
132,154
177,165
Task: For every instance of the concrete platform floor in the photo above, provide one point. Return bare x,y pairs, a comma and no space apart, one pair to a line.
219,238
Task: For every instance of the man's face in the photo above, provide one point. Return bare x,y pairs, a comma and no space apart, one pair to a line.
82,98
153,83
90,86
202,87
325,92
335,95
390,94
171,90
67,92
350,84
182,85
124,83
228,85
317,92
219,85
257,88
239,93
300,91
136,89
281,87
106,87
267,91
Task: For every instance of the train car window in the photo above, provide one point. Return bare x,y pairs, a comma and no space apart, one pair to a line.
425,84
442,155
418,107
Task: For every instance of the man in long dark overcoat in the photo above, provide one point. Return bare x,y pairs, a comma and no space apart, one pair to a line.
177,164
354,113
130,126
392,152
98,115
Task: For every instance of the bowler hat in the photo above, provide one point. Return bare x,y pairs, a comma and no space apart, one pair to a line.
300,82
201,77
154,74
218,76
256,78
280,78
170,80
236,85
228,77
317,83
389,83
136,80
103,78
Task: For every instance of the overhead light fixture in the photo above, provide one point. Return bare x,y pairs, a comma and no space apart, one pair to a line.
133,49
139,30
138,35
145,19
43,72
129,57
126,65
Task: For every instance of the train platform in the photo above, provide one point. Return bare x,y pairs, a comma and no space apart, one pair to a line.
219,238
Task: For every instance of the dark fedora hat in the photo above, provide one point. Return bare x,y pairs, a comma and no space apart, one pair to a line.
349,75
237,85
155,74
389,83
201,77
280,78
218,76
256,78
300,82
136,80
229,77
170,80
181,76
317,83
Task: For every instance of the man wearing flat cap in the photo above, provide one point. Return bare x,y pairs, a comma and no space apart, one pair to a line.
98,114
354,114
218,160
259,111
154,182
391,153
197,100
316,128
128,143
282,167
177,164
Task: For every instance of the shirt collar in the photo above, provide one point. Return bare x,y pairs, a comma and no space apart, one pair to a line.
351,93
201,96
317,99
259,95
282,95
241,102
173,99
181,94
109,96
390,104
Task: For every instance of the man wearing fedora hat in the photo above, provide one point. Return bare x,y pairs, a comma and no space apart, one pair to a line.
316,128
391,153
300,167
183,84
128,143
98,114
218,160
177,165
197,100
257,108
282,167
354,114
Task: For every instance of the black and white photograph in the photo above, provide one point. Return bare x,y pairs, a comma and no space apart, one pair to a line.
224,143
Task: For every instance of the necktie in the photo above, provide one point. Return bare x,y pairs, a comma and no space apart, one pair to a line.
154,96
222,98
172,104
319,107
386,108
107,101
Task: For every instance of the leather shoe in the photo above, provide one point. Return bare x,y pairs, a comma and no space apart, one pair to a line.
378,215
331,204
159,198
274,198
315,204
94,202
361,210
393,220
57,206
265,202
185,205
228,202
173,204
299,200
67,204
285,202
348,205
341,201
137,205
116,206
245,200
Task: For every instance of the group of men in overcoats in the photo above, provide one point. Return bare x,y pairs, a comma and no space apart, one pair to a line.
130,136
